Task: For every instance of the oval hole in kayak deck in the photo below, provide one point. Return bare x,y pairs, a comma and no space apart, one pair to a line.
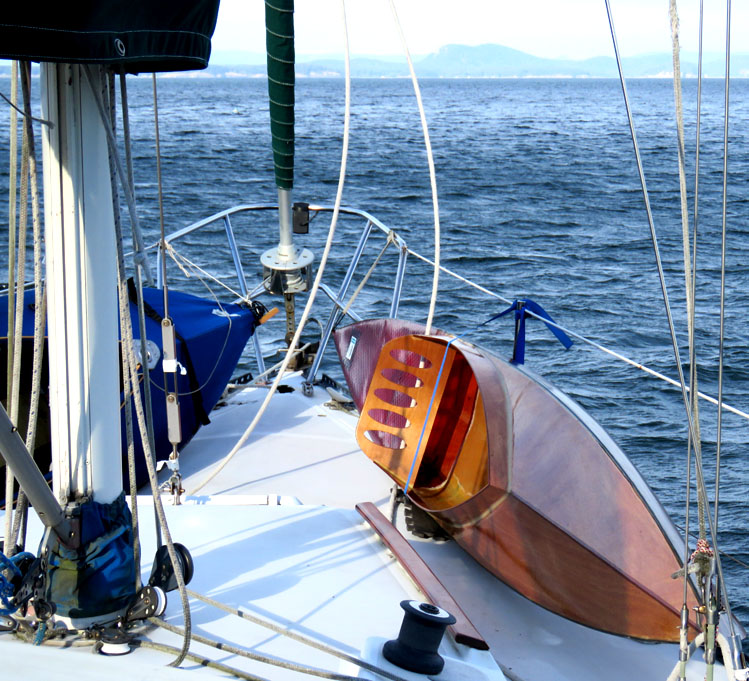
380,437
389,418
410,359
395,397
400,377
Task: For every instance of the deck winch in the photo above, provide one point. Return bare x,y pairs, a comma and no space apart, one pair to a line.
419,638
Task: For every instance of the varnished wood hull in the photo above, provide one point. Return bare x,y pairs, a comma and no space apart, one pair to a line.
543,498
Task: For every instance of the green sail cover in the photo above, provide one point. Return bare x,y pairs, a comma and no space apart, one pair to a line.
279,32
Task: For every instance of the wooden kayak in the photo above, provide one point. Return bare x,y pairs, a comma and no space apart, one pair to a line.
520,476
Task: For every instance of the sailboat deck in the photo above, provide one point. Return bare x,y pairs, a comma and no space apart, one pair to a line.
305,452
301,448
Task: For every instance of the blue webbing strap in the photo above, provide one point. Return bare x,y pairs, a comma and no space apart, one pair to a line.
521,308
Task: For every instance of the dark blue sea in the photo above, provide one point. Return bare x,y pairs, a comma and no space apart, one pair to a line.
539,197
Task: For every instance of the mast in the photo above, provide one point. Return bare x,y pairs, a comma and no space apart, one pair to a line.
287,269
81,271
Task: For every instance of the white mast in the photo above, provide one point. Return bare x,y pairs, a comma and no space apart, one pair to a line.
82,289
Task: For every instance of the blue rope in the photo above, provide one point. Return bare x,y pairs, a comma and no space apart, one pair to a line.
429,411
40,633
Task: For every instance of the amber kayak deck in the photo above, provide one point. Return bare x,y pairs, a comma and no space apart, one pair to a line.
523,479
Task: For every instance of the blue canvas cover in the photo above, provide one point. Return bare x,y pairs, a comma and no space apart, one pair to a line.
99,577
211,338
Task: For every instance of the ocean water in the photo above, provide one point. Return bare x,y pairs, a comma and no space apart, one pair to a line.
539,197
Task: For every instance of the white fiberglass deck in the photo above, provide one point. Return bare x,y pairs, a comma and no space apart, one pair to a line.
276,535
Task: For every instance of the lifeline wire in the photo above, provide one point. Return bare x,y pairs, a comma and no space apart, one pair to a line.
318,276
432,175
582,338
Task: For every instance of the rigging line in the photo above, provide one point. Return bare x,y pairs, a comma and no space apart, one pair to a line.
12,197
667,306
108,95
364,281
14,401
129,186
267,372
40,308
141,268
256,657
129,197
128,345
694,395
690,263
162,239
12,226
202,661
588,341
294,636
432,174
738,652
723,255
689,279
318,277
177,256
25,114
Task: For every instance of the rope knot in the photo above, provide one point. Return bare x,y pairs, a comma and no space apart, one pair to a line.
702,551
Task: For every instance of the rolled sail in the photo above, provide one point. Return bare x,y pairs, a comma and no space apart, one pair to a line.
279,30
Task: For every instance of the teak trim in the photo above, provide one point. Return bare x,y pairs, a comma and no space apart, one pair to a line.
463,630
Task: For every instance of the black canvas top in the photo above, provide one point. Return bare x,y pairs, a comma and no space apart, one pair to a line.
137,35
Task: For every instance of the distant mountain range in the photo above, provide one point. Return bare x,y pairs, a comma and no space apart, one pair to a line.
481,61
486,61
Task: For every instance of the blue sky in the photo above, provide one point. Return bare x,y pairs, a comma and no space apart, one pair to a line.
548,28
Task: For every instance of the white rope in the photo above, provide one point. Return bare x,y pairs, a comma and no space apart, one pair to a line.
432,174
294,636
318,277
176,256
364,281
592,343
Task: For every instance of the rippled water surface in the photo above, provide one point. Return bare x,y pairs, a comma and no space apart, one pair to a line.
539,197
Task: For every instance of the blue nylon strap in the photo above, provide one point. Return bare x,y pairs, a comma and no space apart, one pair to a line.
521,308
